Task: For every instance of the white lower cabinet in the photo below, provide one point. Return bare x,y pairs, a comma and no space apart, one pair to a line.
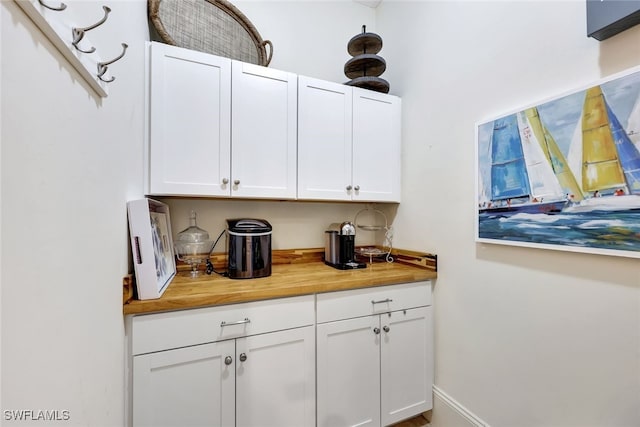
348,373
189,386
275,380
406,364
262,379
358,358
374,355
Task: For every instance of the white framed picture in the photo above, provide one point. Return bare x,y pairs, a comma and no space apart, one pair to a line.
151,246
564,173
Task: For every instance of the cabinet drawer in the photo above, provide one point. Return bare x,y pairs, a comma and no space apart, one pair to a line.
162,331
364,302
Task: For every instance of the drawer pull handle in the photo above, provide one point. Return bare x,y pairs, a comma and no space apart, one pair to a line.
376,331
386,328
239,322
243,357
228,360
382,301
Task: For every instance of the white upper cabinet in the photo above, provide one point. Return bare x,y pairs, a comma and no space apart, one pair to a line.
324,140
189,113
218,127
264,132
376,146
348,143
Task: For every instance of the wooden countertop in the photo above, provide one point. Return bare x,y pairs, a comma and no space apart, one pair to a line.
287,279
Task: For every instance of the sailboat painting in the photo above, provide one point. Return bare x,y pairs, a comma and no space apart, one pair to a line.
564,174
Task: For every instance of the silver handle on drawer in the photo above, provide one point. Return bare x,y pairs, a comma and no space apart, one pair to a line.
376,331
228,360
382,301
239,322
243,357
225,181
386,328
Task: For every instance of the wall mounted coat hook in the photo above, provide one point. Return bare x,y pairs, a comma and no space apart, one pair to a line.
78,33
103,66
56,8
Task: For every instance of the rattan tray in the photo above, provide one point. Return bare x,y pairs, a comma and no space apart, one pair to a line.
211,26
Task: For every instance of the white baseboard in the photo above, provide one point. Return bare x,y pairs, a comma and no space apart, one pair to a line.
459,410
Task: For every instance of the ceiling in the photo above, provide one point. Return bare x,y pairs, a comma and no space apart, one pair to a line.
371,3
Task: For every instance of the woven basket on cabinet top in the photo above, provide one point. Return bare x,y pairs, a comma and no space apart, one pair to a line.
211,26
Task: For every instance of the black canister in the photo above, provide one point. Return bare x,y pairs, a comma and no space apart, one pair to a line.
248,248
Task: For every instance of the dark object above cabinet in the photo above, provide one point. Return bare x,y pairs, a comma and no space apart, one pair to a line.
606,18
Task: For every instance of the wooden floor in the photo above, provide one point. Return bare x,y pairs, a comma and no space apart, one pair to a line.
418,421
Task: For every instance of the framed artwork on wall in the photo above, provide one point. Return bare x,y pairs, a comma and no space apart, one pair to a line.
564,174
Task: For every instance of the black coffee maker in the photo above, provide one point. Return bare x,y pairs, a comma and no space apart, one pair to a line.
340,246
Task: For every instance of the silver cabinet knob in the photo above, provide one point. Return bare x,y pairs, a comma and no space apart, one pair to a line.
376,331
385,328
243,357
236,182
357,188
225,181
349,188
228,360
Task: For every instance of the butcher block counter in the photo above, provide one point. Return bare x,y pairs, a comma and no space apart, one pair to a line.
294,272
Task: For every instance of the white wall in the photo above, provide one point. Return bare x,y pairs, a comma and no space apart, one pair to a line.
524,337
309,37
295,224
70,160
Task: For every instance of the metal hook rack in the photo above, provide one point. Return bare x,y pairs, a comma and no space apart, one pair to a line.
78,33
57,9
104,66
67,38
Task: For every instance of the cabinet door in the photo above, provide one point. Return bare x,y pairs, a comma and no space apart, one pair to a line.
264,127
191,386
376,146
406,363
275,379
324,140
348,363
189,107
